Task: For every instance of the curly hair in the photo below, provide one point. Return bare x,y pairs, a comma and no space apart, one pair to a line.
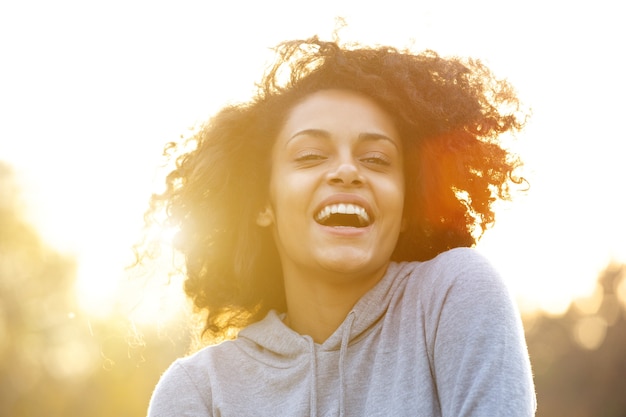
450,113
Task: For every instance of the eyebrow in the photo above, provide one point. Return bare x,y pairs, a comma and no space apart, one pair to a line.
324,134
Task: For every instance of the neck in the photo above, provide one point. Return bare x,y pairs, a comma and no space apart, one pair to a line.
317,307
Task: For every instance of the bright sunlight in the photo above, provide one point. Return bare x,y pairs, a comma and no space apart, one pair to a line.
90,93
103,117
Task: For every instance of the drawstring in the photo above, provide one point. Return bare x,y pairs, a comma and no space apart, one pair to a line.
345,339
342,354
313,404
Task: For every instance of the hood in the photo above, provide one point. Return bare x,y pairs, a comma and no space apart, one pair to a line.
271,342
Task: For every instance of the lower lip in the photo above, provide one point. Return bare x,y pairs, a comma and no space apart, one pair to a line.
345,231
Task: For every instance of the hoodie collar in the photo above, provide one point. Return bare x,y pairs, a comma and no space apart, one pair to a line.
274,336
278,346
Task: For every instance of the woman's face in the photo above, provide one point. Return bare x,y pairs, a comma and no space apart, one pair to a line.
336,186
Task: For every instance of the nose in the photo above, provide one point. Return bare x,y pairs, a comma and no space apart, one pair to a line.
345,173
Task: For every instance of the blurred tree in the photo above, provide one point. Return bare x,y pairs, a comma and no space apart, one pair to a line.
579,359
35,305
54,360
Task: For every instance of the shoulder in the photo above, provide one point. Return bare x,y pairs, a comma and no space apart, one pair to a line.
459,262
184,389
460,290
471,322
460,294
463,269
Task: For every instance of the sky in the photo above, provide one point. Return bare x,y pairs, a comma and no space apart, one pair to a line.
90,91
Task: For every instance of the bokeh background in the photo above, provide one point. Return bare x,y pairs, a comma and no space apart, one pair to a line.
91,91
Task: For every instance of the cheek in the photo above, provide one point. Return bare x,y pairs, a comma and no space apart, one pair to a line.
395,199
394,190
400,186
286,196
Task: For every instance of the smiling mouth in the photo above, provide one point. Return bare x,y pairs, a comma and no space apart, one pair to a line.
343,215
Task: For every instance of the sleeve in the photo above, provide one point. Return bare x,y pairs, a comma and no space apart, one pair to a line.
480,359
178,395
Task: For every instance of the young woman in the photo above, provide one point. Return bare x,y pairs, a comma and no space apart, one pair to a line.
328,223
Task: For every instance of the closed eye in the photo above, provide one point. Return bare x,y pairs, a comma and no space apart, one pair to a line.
309,158
376,159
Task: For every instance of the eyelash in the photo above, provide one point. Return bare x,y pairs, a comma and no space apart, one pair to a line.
377,158
309,156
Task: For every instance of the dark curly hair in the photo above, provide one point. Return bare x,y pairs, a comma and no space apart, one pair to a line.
450,114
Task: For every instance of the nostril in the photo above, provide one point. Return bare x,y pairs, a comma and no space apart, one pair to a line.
346,175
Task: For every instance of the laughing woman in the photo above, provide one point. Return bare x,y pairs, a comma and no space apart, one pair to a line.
328,223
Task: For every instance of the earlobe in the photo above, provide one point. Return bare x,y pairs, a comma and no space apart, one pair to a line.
265,218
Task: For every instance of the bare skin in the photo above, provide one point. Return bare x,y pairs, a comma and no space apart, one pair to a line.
317,310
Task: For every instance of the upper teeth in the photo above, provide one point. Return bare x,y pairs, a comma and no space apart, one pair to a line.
325,213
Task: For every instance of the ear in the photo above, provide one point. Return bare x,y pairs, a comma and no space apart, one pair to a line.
265,218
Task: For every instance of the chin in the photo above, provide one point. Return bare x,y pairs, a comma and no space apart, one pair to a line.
350,263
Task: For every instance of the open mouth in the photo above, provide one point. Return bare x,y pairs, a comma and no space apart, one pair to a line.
343,215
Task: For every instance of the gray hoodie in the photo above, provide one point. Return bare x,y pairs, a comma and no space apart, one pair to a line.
435,338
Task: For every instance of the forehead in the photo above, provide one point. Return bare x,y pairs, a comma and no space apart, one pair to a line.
339,112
